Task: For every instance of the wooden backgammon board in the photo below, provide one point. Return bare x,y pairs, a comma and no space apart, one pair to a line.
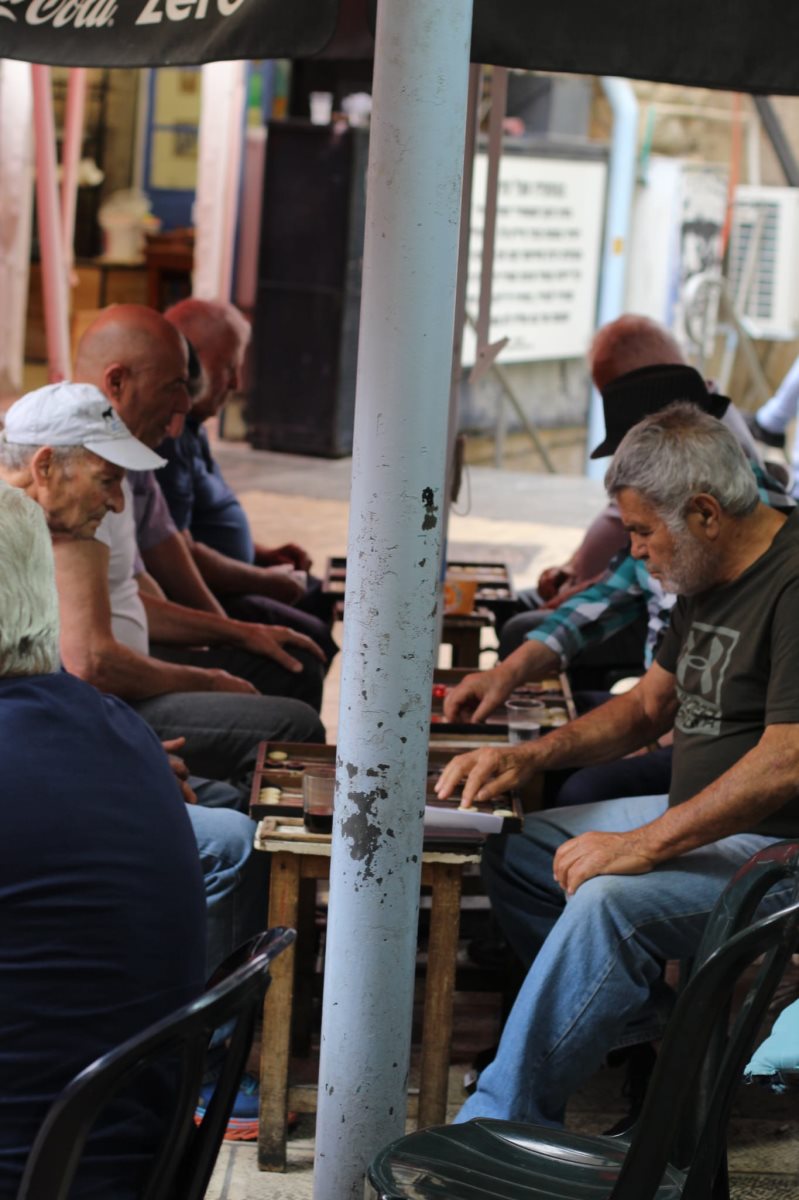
554,693
277,792
494,585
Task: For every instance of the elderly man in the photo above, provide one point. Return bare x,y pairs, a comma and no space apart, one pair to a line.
135,357
626,591
597,896
67,450
101,899
638,367
108,616
254,582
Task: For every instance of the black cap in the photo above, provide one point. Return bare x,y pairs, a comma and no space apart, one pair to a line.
631,397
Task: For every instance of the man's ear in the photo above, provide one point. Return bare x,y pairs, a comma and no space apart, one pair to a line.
114,377
41,466
706,512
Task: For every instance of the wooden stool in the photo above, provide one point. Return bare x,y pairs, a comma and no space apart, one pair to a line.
295,860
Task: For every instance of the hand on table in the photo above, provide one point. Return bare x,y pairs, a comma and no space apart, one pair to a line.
593,854
476,696
487,772
179,768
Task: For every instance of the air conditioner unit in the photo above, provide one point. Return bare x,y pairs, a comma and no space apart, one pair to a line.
763,261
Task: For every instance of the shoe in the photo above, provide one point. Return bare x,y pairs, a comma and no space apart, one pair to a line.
243,1123
761,434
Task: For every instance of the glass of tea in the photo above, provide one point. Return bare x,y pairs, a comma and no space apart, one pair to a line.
318,789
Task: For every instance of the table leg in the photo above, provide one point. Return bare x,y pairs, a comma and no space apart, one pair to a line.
284,887
439,987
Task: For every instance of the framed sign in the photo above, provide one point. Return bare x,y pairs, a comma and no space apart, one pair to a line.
546,256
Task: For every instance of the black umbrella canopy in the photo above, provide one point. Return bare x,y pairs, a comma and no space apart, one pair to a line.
745,45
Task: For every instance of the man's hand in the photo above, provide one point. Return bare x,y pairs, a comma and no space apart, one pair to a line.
223,681
281,583
478,695
487,772
270,641
592,854
552,580
289,553
179,768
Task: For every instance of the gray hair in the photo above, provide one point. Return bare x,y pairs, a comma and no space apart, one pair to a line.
675,454
29,627
14,457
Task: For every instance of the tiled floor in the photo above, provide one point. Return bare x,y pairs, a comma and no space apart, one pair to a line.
306,500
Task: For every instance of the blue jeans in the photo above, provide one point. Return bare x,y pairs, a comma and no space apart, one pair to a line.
235,877
597,958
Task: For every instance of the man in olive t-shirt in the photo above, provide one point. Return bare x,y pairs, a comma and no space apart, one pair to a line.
597,896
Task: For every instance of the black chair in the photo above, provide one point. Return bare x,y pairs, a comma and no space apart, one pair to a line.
677,1147
184,1157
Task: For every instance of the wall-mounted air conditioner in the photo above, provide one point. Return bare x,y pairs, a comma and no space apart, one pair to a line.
763,261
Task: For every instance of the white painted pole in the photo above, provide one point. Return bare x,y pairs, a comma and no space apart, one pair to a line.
216,206
54,270
399,453
16,215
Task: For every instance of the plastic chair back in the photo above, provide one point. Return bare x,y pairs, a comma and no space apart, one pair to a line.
700,1016
733,911
185,1154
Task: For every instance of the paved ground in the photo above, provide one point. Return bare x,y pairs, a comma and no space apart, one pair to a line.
530,520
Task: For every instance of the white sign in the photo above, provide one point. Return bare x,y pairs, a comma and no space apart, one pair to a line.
546,256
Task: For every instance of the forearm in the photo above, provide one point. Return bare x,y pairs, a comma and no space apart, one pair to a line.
227,576
531,661
114,668
758,785
618,727
178,625
172,565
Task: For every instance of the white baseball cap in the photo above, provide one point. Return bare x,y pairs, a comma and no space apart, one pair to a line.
77,414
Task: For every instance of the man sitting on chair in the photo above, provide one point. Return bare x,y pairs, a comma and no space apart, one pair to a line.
597,896
102,915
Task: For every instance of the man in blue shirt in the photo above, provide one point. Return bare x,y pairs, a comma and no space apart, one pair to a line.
102,915
254,582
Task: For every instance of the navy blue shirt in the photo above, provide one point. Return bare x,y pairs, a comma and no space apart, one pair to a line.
102,915
199,499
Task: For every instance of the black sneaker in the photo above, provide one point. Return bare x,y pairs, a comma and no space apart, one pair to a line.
776,440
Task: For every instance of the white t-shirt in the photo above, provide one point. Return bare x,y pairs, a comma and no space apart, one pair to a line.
128,616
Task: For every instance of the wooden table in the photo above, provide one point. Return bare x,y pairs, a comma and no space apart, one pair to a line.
462,631
297,863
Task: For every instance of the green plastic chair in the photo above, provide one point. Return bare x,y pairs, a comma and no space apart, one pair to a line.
677,1147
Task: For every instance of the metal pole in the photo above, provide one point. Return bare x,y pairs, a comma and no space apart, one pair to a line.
612,280
54,274
70,159
779,142
405,356
499,106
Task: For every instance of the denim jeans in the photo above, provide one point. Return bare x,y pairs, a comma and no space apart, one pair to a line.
235,878
597,957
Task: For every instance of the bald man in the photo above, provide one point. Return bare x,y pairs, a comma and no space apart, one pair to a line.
110,609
